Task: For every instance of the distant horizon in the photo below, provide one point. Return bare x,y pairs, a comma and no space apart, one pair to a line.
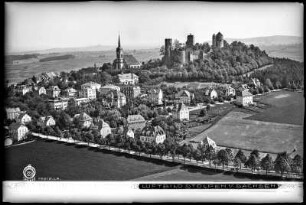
41,26
132,47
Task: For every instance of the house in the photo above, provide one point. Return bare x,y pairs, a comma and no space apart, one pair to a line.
87,92
47,121
208,142
12,113
54,91
230,91
181,112
103,128
130,61
80,101
212,93
105,89
255,82
130,91
17,131
59,104
23,89
152,133
155,96
129,133
184,96
116,98
24,118
128,79
135,122
84,119
70,92
245,98
91,85
41,91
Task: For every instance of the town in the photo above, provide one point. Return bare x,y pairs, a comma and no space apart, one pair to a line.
162,107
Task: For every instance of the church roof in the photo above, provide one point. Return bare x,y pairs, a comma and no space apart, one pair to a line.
130,59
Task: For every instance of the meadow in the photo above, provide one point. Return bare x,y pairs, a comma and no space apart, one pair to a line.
276,129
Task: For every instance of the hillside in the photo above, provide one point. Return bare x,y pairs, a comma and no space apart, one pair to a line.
269,40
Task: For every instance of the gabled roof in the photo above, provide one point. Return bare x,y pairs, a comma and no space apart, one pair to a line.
184,93
127,75
54,88
102,124
70,90
22,115
15,126
244,93
135,118
17,109
130,60
209,142
152,131
83,117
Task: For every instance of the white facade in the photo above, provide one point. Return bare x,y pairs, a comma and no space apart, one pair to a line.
18,131
130,133
47,121
41,91
157,138
24,118
182,113
245,99
79,101
156,96
59,104
128,79
54,91
12,113
89,93
23,89
104,129
92,85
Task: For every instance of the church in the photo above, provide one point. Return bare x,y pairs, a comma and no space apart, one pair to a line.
124,61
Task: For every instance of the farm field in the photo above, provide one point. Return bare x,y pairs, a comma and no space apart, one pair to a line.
54,159
286,107
234,130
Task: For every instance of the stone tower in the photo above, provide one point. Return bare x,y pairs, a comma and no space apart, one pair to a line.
213,40
168,50
190,40
219,40
119,59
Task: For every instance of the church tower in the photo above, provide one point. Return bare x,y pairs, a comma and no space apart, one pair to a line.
119,59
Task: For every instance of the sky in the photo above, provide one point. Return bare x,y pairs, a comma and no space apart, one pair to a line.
34,26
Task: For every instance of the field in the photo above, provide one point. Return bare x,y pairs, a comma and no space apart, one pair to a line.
17,73
276,129
286,107
53,159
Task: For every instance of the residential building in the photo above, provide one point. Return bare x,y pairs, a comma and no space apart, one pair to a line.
153,133
155,96
117,98
80,101
12,113
23,89
212,93
229,90
70,92
103,128
135,122
208,142
130,91
87,92
245,98
59,104
129,133
84,120
92,85
105,89
256,83
184,96
181,112
47,121
54,91
41,91
24,118
17,131
128,79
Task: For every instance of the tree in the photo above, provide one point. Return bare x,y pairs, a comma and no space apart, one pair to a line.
267,163
230,154
240,155
197,155
281,164
210,153
58,132
203,113
161,150
252,162
278,84
237,162
255,152
269,84
297,164
223,157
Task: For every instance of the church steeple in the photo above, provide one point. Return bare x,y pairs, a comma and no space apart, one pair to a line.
119,45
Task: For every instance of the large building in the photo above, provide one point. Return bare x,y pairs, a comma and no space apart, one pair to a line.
181,112
130,61
84,120
117,98
18,131
130,91
128,79
135,122
155,96
59,104
92,85
105,89
12,113
217,40
153,134
54,91
119,62
88,92
184,96
245,98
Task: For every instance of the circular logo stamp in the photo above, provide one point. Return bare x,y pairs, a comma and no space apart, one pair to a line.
29,172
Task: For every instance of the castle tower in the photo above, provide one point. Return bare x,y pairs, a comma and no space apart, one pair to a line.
168,50
190,40
219,40
213,40
119,59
